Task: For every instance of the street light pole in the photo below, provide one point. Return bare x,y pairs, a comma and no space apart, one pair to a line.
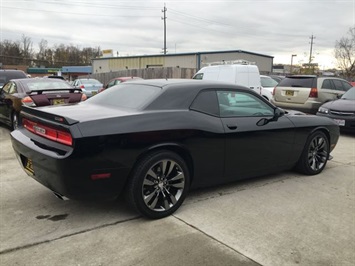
292,56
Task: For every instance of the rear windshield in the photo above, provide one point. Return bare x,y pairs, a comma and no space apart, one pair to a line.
45,84
90,81
303,82
349,95
132,96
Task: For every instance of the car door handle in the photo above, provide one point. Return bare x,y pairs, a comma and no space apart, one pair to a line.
232,127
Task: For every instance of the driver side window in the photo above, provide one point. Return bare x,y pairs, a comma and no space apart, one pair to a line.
232,104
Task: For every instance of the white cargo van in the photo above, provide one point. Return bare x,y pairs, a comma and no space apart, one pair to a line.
239,72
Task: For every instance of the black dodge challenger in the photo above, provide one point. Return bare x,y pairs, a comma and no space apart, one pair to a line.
153,140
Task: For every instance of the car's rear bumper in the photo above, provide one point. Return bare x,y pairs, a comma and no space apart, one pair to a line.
71,176
310,107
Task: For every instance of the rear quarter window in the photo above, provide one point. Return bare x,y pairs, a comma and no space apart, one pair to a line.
206,102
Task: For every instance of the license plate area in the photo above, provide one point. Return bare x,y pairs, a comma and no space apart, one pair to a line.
28,165
58,101
289,93
340,122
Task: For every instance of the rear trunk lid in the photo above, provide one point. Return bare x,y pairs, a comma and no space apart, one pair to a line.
73,113
295,89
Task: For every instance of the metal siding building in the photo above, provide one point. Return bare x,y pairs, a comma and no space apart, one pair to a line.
183,60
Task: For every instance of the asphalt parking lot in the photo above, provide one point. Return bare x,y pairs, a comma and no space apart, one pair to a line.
283,219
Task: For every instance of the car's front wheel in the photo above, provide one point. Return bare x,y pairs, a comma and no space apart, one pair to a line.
315,154
159,184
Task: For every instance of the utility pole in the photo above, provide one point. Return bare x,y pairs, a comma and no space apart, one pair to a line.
164,18
310,53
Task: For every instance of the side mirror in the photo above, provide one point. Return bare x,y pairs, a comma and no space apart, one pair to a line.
277,114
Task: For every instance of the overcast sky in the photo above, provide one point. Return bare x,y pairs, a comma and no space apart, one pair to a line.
277,28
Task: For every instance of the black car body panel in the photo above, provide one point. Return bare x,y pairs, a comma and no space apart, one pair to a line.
109,141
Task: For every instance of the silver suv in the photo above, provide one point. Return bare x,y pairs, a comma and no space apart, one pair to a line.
307,93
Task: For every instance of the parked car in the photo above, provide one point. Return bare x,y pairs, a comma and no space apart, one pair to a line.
307,93
267,86
342,111
55,77
239,72
8,74
116,81
34,92
89,86
154,140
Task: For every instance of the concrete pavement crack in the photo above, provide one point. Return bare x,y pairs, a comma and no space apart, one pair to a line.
5,251
215,239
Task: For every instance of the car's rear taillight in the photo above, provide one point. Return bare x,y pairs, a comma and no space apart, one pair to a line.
28,101
54,134
313,93
83,97
82,86
273,91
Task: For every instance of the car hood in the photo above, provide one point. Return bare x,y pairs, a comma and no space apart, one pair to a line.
294,112
341,105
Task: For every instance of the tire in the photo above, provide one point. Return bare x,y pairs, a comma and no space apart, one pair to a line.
315,154
158,185
14,120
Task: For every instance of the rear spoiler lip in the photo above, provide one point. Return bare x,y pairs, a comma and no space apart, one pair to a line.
27,111
71,90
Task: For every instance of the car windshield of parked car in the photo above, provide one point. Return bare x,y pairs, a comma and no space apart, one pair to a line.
126,96
349,95
45,84
90,81
268,82
302,82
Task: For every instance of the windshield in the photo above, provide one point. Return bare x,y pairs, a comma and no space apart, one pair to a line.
45,84
268,82
350,94
132,96
90,81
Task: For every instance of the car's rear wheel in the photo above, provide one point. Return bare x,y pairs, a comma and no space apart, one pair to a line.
159,184
315,154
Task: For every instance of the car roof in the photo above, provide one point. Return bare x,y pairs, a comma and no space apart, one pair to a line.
125,78
302,76
179,93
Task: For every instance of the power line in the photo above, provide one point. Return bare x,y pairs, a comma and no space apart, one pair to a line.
73,13
198,18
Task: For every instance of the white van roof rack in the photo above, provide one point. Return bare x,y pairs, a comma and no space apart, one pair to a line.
234,62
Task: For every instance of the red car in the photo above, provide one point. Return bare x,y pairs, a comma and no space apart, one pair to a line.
119,80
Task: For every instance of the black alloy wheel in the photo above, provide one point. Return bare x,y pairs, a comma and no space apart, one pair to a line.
159,184
315,154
